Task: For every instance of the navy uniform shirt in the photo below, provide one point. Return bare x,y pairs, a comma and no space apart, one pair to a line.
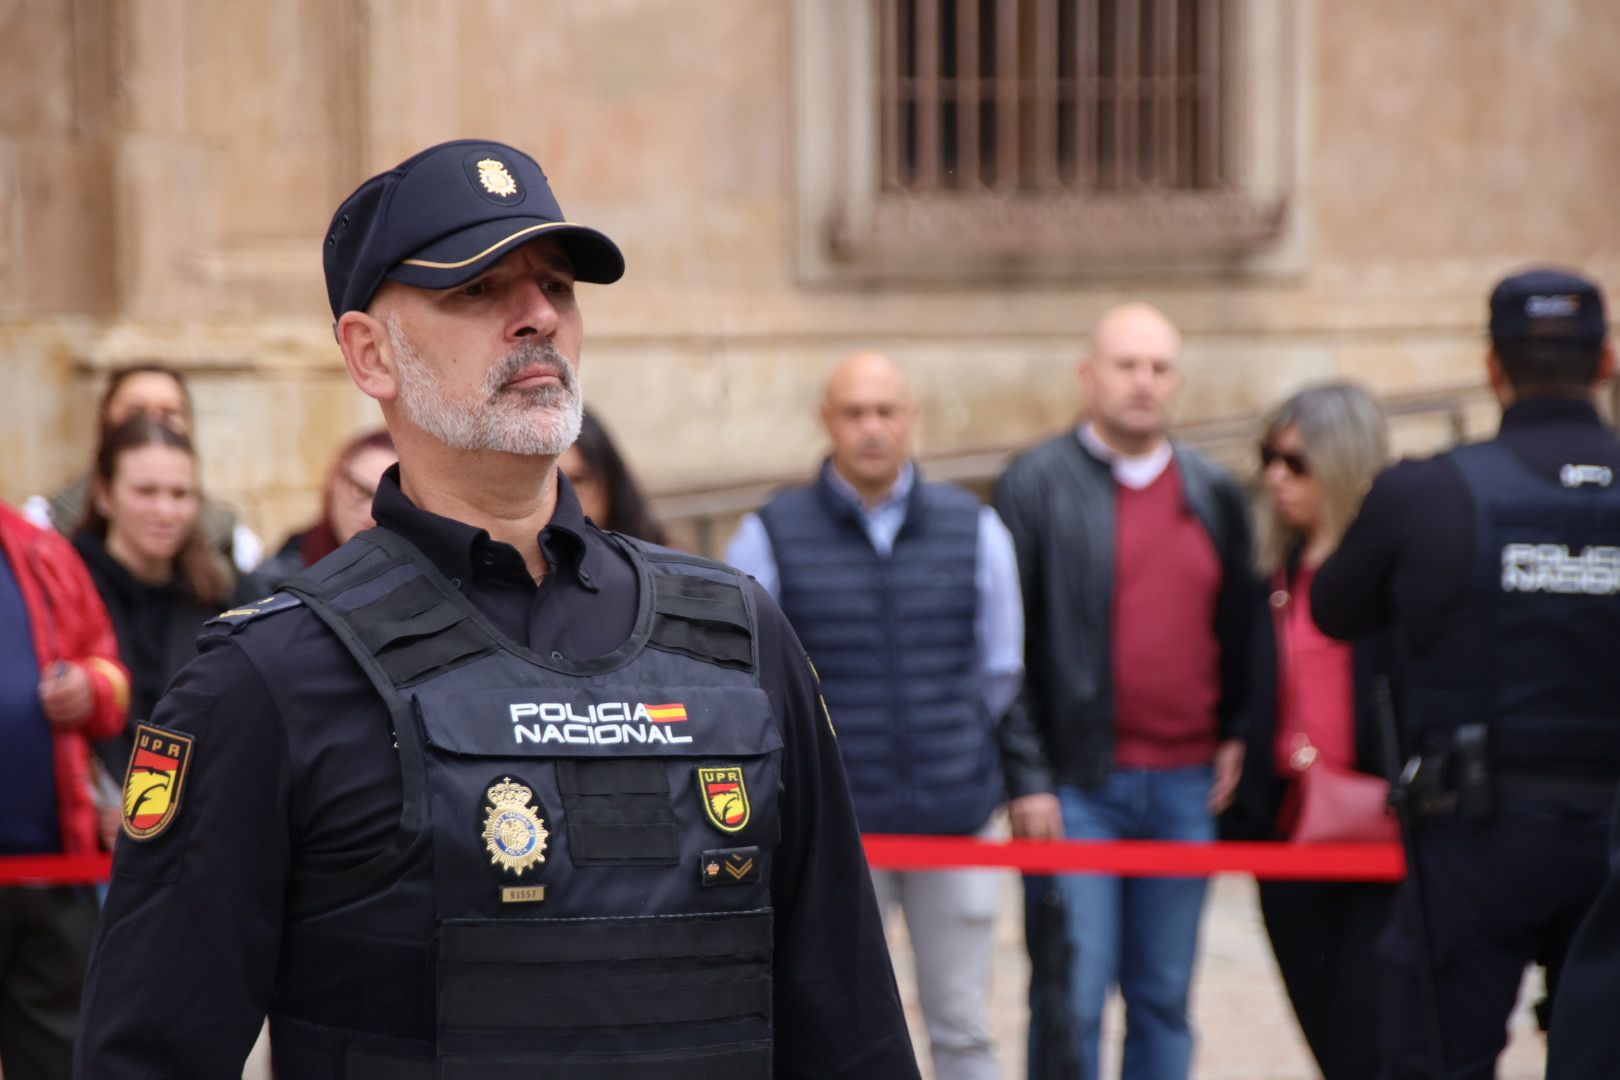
294,776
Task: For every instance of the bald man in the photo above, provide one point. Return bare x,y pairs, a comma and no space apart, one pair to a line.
905,593
1133,551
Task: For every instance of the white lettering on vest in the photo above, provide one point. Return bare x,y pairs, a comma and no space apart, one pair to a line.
1550,568
608,723
1574,476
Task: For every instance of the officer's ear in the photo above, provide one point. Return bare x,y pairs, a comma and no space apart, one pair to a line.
1605,369
1501,385
368,353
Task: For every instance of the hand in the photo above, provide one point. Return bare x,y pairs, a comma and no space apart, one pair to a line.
1228,767
109,823
1036,817
67,695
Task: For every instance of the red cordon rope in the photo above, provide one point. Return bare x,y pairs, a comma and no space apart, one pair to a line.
54,869
1143,858
1134,858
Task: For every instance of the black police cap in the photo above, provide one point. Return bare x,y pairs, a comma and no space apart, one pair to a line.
1546,304
445,216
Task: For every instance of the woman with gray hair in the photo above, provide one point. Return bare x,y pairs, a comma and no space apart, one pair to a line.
1317,704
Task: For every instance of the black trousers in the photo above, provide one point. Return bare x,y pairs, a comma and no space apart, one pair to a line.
1500,893
44,949
1585,1040
1325,937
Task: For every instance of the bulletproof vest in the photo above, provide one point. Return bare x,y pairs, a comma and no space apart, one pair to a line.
579,884
1542,617
893,638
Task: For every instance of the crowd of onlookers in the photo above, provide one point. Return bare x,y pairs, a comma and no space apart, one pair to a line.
1119,580
1118,648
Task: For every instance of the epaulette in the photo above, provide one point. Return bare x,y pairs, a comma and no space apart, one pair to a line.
229,622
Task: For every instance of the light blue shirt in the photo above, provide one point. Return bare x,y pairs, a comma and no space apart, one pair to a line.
998,627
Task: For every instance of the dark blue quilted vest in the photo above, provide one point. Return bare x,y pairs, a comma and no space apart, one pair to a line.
893,640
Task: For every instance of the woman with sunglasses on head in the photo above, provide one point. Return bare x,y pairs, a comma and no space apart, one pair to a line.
143,544
1316,704
159,392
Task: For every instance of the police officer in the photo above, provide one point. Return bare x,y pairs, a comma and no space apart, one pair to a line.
488,792
1500,565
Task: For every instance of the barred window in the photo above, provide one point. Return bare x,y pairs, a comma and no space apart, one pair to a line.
1051,95
1028,139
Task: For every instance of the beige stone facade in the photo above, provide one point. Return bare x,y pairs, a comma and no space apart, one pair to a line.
168,167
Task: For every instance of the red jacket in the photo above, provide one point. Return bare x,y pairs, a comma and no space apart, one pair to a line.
70,624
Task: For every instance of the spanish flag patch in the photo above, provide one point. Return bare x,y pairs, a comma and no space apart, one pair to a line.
154,781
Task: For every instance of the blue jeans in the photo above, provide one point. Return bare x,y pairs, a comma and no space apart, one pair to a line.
1140,934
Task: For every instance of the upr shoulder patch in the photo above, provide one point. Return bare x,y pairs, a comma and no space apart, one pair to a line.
155,780
238,617
725,797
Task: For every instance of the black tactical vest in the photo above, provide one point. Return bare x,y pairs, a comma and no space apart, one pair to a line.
579,885
1543,617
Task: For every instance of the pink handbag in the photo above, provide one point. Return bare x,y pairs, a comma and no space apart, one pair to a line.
1335,805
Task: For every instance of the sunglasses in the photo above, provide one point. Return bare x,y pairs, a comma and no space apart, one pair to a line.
1295,463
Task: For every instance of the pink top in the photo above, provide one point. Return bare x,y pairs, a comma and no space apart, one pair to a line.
1167,576
1315,695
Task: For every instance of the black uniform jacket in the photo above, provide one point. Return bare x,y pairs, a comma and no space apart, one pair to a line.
1057,501
293,776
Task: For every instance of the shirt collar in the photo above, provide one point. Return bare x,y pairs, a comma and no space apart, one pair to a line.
457,548
897,494
1135,473
1542,409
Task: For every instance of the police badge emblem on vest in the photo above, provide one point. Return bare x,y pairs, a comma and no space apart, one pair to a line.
513,831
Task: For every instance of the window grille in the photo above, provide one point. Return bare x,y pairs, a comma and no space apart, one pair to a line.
1054,97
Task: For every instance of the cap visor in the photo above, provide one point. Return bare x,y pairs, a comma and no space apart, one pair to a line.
462,256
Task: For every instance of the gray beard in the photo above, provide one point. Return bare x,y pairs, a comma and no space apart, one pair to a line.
535,422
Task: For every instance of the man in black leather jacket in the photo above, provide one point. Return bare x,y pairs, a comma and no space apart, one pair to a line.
1133,552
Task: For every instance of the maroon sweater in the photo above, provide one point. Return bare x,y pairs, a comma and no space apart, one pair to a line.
1167,680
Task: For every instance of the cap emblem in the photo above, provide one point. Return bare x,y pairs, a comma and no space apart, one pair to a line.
1552,307
496,180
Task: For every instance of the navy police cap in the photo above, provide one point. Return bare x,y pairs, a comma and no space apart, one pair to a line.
445,216
1547,304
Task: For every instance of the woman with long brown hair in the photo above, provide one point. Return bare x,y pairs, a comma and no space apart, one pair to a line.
156,571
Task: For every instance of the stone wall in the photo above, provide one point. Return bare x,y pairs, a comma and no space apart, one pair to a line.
167,169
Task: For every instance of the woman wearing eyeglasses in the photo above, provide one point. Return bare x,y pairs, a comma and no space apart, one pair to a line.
345,508
607,491
1316,705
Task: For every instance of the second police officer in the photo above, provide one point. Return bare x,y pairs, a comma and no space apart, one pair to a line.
1499,564
488,792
